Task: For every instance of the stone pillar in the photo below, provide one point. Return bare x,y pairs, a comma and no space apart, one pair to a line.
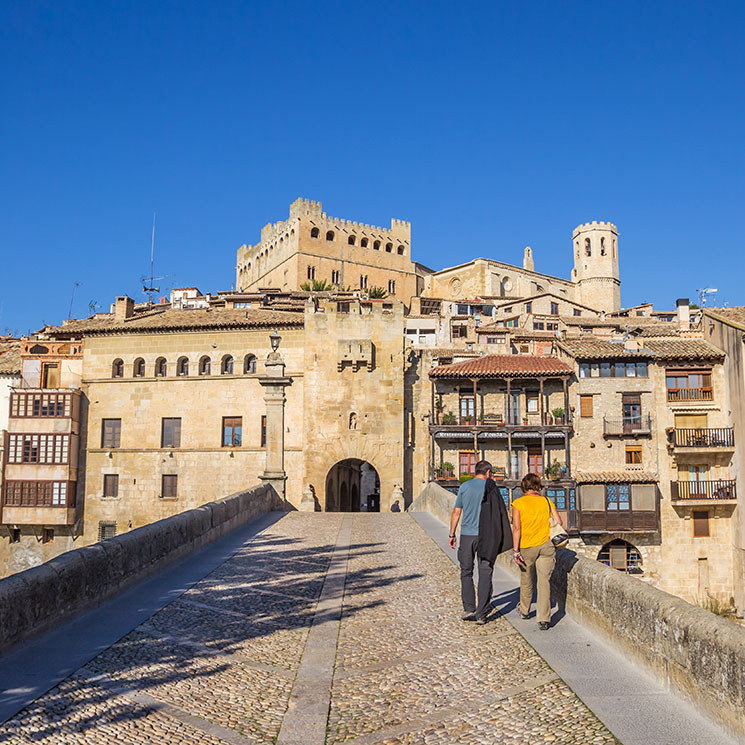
274,383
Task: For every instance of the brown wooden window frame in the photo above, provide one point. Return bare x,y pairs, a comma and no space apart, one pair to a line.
110,485
554,309
169,486
39,493
229,423
113,439
40,448
46,367
701,520
263,430
40,405
174,440
633,455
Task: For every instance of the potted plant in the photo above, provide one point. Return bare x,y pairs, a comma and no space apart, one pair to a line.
525,420
554,471
480,419
558,414
446,470
438,408
467,420
448,418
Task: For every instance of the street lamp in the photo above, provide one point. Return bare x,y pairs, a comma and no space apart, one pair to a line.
275,339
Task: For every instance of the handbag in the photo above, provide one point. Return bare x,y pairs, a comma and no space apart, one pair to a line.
558,537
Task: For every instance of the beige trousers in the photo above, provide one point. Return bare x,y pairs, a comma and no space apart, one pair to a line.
539,560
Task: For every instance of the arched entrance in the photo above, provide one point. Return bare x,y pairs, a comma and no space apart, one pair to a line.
352,485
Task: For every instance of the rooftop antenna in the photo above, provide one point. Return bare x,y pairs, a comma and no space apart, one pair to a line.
74,287
149,289
703,294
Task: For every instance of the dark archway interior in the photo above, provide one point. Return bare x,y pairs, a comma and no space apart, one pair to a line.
352,485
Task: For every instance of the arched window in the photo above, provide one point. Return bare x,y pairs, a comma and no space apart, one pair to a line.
602,246
363,243
330,235
388,247
588,250
351,240
138,368
376,245
205,366
314,232
353,421
226,368
161,367
249,365
117,369
182,366
614,249
621,555
400,250
576,253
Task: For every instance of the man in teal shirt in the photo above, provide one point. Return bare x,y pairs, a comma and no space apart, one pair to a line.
468,505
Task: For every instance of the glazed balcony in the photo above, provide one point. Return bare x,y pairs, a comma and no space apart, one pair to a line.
723,490
620,426
700,438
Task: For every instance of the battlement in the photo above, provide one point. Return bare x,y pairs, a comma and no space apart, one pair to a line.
594,225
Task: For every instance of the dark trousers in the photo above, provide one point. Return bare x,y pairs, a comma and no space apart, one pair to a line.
466,556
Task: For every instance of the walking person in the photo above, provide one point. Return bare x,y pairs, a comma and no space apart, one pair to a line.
484,533
533,551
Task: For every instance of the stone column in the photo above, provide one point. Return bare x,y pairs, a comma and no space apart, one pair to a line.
274,383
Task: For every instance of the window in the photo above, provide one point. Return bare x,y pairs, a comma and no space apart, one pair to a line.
701,524
585,406
226,368
363,281
602,246
564,499
363,243
554,309
40,404
492,340
249,365
577,312
588,249
330,235
400,250
15,535
552,326
532,403
528,307
391,286
231,431
508,310
388,247
622,556
161,367
182,366
36,448
351,240
106,529
335,274
460,332
50,375
538,326
603,369
466,464
111,433
376,245
617,497
170,432
631,406
263,431
689,385
205,366
633,454
311,272
47,535
111,485
117,369
138,368
314,232
169,486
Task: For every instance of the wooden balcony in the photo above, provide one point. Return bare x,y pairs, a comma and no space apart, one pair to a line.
685,395
39,503
724,490
618,521
621,426
718,437
496,422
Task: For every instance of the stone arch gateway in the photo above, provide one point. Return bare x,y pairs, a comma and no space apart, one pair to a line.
352,485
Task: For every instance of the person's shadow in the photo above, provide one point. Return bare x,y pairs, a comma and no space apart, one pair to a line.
506,601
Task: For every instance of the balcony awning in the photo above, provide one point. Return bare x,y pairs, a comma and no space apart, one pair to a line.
616,477
503,366
516,436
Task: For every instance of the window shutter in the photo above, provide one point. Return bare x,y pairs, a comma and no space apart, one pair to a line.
700,524
585,406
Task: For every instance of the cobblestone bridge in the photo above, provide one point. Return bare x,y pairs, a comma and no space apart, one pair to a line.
322,628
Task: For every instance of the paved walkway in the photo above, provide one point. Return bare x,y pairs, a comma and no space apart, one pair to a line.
322,629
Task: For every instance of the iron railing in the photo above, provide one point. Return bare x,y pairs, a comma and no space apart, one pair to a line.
720,489
627,425
718,437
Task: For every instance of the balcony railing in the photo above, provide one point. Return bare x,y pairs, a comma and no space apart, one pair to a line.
721,437
722,489
498,420
690,394
627,425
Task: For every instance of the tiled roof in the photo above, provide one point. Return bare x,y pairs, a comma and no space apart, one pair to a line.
157,319
733,316
446,352
502,365
493,328
10,357
618,477
528,334
663,349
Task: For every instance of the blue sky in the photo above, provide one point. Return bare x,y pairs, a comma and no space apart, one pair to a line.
490,126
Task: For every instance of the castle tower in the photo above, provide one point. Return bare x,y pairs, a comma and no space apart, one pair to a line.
595,248
528,259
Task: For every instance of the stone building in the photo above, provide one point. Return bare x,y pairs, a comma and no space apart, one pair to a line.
310,246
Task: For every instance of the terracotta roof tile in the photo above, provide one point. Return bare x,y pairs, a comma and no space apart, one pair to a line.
618,477
158,319
734,316
446,352
10,357
663,349
502,365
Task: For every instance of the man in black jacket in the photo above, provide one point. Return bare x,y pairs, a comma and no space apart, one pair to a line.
485,533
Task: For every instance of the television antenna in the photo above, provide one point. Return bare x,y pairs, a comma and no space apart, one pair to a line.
92,307
74,287
149,289
703,294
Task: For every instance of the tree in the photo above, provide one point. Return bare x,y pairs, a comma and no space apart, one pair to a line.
377,293
317,285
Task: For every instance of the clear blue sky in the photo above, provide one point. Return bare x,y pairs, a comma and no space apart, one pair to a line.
489,126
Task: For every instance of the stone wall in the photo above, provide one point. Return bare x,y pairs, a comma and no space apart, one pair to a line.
694,651
38,598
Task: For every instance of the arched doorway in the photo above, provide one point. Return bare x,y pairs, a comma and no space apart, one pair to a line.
352,485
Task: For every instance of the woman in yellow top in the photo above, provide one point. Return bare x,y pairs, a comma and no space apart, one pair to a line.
534,552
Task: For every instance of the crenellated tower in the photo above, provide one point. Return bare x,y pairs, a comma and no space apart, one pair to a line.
595,248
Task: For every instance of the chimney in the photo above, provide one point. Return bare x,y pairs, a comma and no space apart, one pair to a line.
684,313
124,308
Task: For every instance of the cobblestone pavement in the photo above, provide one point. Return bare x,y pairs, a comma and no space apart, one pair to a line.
218,665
